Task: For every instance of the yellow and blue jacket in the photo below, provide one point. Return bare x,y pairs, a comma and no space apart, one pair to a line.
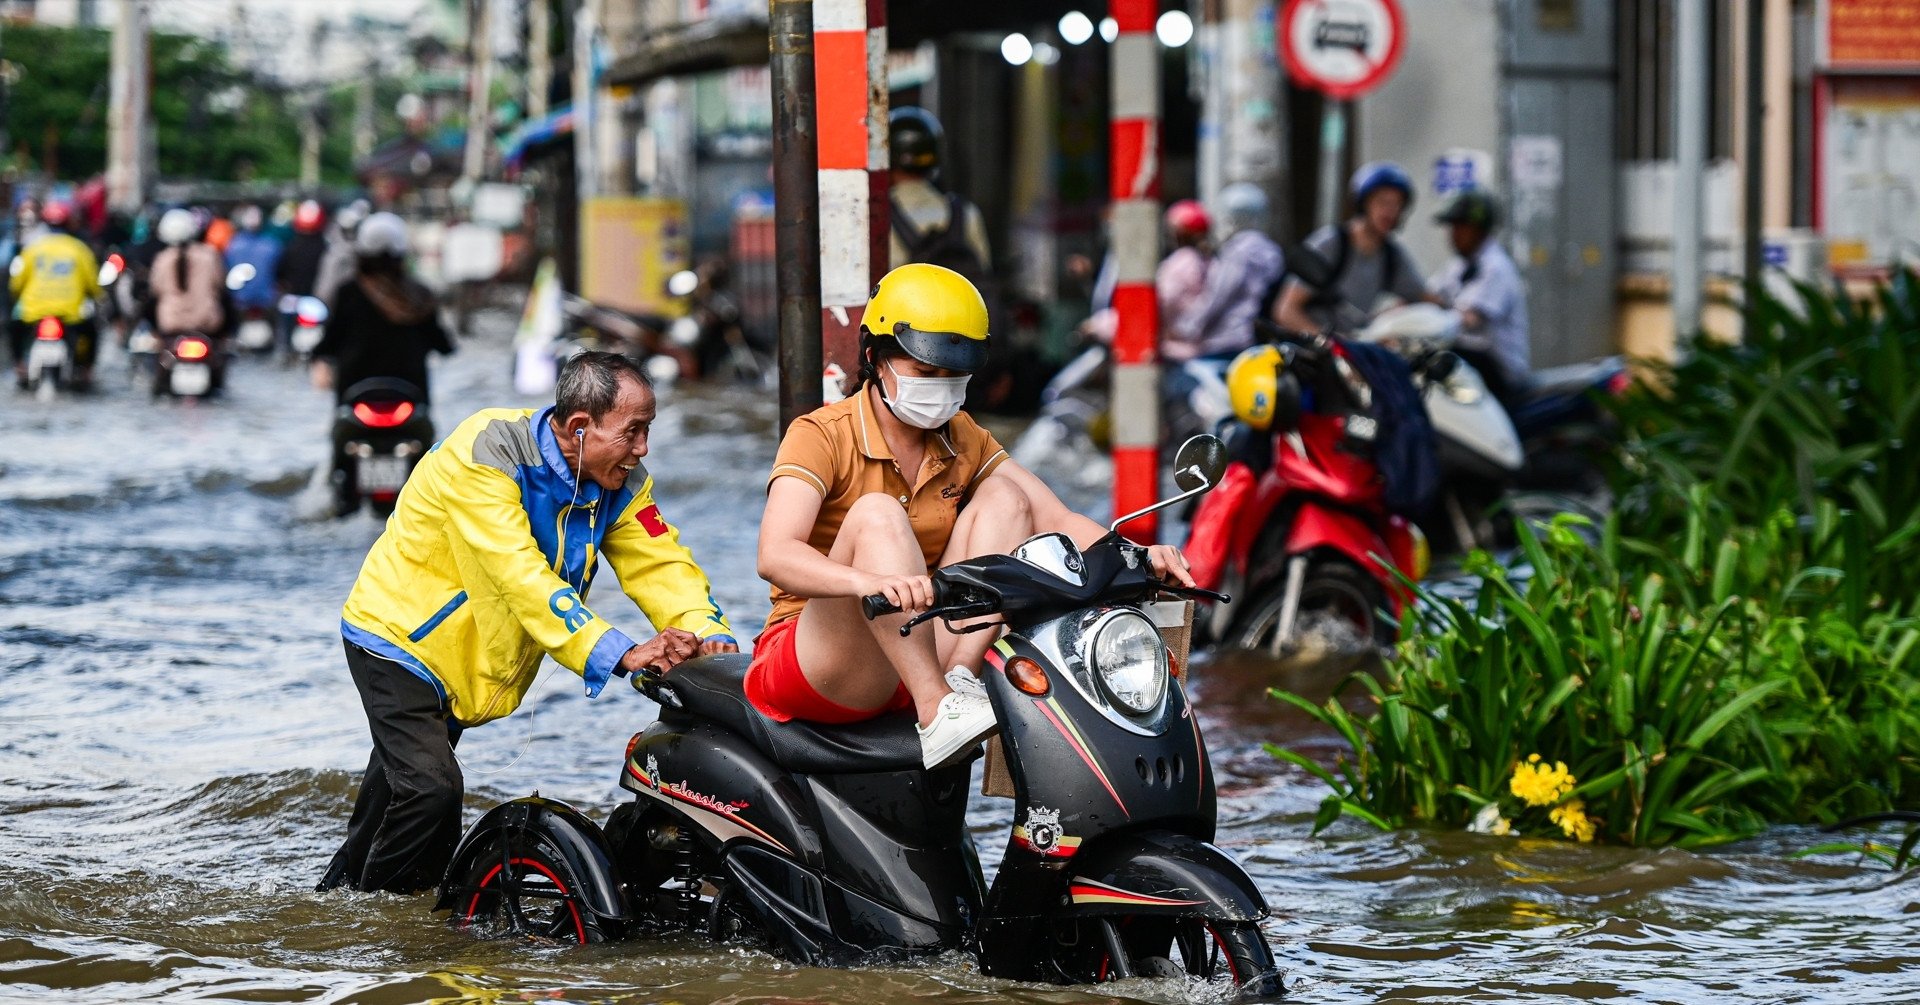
487,557
55,276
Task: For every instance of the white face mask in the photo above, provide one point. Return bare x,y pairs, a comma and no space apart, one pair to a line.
926,402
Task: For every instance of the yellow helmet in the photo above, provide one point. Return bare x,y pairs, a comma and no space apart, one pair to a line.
938,316
1253,385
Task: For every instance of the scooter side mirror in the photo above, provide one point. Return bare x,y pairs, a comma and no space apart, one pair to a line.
1199,463
311,310
682,283
239,276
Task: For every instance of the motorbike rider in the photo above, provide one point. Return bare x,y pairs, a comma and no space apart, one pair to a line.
186,287
252,245
482,568
298,271
1241,281
870,493
339,262
1483,286
55,275
923,215
1181,278
383,323
1367,262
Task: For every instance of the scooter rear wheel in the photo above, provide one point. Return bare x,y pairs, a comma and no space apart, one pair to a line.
1337,601
528,890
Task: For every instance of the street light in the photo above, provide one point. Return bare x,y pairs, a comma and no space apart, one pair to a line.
1016,49
1075,27
1174,29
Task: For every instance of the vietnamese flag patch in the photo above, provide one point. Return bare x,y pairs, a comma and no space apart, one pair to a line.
651,519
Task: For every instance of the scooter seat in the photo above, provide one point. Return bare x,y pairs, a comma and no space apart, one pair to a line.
714,688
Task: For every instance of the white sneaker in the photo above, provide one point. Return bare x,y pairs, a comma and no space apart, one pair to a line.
958,726
962,681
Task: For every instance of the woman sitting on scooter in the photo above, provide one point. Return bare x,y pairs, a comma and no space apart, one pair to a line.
867,496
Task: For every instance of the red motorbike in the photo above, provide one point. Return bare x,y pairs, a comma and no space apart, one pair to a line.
1299,524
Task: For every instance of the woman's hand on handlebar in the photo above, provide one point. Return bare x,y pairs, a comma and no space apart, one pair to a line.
911,594
1170,565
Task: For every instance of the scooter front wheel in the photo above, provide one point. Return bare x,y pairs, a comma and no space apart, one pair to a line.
527,889
1231,954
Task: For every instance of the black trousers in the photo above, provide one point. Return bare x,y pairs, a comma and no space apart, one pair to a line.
406,819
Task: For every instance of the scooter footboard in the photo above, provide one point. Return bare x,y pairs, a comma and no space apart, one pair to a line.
1160,872
566,831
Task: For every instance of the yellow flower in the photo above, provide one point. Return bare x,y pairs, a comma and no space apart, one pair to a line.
1539,784
1573,821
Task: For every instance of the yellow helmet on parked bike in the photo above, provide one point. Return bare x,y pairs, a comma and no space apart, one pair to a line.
1253,385
936,315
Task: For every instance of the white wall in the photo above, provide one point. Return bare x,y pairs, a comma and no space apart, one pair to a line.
1445,95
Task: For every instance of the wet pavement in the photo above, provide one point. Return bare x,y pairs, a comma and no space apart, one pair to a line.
179,742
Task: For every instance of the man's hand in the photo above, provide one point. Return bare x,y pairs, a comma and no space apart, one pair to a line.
1169,564
709,647
662,652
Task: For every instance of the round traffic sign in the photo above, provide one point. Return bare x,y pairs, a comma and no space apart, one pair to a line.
1342,48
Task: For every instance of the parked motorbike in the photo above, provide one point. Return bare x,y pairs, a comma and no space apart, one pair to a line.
380,432
1307,534
1495,461
1070,435
711,330
832,845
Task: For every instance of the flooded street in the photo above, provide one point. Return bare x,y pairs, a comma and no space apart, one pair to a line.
179,745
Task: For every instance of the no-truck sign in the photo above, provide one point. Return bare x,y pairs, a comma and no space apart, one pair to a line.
1341,48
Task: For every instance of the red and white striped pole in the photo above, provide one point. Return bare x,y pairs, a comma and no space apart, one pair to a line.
1134,188
850,74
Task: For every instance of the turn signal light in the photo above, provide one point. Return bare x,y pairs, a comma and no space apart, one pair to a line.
383,416
191,349
1028,676
49,330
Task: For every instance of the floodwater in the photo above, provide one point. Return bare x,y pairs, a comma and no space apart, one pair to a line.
179,743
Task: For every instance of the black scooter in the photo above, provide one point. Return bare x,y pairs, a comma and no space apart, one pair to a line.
831,845
380,432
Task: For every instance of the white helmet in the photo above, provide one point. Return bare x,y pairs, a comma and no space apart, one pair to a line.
381,234
177,226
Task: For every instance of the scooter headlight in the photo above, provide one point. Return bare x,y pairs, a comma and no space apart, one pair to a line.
1131,663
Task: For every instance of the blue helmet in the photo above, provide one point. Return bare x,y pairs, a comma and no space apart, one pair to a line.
1376,175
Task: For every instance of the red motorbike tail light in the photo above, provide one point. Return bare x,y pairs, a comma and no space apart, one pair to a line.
1618,383
49,330
191,348
384,415
1028,676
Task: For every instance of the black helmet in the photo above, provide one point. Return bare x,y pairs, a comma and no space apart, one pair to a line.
913,140
1472,207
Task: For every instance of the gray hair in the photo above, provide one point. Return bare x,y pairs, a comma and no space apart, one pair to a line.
590,382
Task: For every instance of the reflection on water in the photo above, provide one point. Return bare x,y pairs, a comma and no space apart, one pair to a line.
178,738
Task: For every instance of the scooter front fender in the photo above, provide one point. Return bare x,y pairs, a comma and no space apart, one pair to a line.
576,839
1162,872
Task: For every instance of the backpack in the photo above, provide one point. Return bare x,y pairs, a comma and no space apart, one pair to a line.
946,246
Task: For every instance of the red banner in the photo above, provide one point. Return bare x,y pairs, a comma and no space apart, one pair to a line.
1873,34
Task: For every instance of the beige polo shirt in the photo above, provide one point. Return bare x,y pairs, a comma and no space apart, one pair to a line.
839,451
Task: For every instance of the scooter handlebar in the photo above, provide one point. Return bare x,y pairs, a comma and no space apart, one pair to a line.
876,606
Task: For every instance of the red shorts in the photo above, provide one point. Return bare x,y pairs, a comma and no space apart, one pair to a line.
782,693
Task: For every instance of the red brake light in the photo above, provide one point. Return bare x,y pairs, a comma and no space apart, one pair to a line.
191,348
1618,383
50,330
384,415
119,264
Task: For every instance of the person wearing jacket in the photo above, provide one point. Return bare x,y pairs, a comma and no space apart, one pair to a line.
484,567
55,276
383,323
252,245
187,286
1240,282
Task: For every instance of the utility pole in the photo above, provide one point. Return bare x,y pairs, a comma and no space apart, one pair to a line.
796,206
363,130
1690,58
127,106
479,84
539,59
311,139
1754,156
1243,109
1133,179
